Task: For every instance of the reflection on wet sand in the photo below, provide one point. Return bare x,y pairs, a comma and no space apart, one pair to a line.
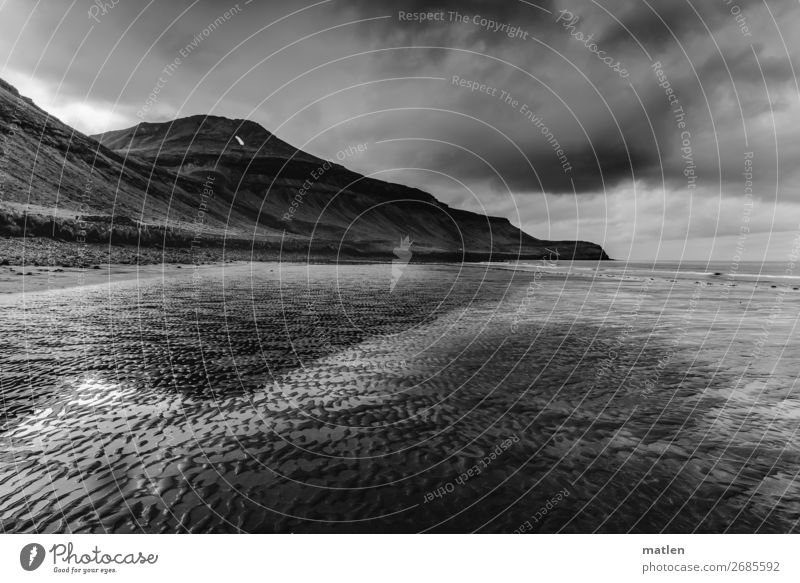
317,399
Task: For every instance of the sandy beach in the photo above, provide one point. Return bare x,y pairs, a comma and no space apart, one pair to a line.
16,279
296,398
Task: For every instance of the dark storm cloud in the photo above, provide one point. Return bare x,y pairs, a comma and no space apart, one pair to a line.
629,127
655,24
612,129
745,70
500,20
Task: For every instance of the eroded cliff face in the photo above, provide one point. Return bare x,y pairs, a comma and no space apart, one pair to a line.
232,179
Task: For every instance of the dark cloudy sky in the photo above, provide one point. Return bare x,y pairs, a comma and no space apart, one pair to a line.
331,74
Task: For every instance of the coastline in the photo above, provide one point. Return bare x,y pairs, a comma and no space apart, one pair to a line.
29,279
34,279
40,264
39,277
19,280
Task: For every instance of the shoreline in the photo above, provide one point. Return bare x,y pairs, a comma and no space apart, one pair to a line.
49,252
16,280
19,280
30,279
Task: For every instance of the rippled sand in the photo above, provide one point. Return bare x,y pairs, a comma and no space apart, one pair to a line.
286,398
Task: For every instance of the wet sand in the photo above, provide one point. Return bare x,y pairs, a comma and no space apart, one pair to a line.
17,279
289,398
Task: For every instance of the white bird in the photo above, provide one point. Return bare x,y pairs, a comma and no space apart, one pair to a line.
238,139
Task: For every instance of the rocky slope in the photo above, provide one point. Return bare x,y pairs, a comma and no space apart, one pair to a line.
209,181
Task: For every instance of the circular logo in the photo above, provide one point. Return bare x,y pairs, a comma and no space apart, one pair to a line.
31,556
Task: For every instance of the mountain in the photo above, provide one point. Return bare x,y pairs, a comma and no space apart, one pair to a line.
210,180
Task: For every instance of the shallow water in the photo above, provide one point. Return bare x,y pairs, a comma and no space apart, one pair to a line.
285,398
